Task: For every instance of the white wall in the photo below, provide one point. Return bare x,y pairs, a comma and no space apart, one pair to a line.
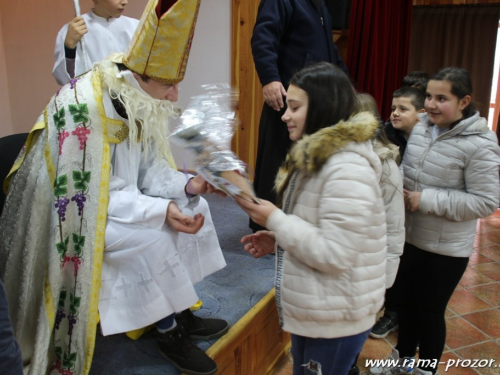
27,34
210,58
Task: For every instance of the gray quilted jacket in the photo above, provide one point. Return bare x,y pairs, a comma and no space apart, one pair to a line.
458,175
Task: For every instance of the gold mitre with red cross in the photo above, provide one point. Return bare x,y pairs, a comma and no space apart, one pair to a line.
160,46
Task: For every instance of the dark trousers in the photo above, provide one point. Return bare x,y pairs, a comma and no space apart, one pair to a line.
274,143
392,300
424,285
11,362
335,356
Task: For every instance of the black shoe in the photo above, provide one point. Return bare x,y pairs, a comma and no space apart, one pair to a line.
386,324
201,329
354,371
177,348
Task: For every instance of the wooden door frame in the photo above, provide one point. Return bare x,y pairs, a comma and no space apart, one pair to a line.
244,78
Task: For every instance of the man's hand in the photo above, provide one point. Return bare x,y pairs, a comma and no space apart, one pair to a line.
273,94
258,212
76,30
198,185
183,223
412,199
260,243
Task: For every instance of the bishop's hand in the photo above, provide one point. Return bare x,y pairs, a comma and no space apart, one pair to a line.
183,223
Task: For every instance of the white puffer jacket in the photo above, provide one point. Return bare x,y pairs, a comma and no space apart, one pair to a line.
331,275
457,174
391,184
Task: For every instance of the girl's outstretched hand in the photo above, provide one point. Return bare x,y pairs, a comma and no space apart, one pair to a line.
257,212
260,243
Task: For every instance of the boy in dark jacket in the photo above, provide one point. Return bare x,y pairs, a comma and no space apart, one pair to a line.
407,103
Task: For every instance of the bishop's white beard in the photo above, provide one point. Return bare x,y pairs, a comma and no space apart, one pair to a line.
152,114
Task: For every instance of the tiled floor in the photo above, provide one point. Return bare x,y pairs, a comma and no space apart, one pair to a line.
473,313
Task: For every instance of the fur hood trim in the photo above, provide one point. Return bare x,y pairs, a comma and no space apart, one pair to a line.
311,152
385,152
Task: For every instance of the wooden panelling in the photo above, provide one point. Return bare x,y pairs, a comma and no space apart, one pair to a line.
255,344
244,78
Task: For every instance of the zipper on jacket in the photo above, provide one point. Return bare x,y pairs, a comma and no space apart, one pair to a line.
280,254
421,161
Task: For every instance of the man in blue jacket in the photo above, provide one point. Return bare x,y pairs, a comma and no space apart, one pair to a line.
288,35
10,355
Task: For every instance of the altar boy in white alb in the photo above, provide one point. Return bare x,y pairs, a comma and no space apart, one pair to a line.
105,30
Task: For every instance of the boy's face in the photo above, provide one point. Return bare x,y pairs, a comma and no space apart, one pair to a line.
109,8
158,90
404,115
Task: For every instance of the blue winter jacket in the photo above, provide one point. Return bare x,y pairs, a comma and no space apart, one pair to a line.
290,34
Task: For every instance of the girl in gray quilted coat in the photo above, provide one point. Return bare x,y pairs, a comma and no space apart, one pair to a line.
451,179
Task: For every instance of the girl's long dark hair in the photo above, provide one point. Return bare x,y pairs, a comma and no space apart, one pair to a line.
331,99
331,95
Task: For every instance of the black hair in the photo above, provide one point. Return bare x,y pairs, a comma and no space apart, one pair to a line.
461,85
416,96
416,79
122,67
331,95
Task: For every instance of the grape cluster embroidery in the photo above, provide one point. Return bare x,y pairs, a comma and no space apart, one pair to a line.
61,204
61,137
80,199
81,132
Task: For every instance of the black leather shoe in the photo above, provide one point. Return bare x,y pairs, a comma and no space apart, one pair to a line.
201,329
177,348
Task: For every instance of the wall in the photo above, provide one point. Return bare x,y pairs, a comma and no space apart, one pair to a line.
209,60
27,34
5,115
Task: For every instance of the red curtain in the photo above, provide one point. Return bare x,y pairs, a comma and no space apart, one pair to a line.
378,49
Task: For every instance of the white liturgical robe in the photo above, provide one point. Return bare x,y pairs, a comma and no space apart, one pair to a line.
103,38
149,269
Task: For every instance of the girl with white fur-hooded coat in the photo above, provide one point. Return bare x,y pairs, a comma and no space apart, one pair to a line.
331,229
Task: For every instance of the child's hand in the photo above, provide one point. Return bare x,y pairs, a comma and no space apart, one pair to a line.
258,212
183,223
260,243
412,199
76,30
